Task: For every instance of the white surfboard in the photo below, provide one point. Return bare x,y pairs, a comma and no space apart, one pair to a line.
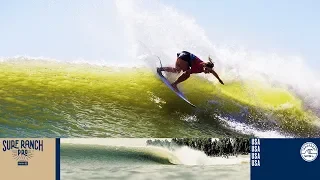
179,93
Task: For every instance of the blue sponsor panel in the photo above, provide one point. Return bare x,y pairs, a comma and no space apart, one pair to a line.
285,158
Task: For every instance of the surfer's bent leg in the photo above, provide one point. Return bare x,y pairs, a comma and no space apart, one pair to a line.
170,69
182,78
181,65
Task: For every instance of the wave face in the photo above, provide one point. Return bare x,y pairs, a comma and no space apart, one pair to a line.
125,159
46,98
264,95
155,28
120,155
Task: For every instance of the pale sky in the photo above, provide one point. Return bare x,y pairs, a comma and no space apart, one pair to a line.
92,30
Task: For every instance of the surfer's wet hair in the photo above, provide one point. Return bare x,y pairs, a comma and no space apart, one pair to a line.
209,65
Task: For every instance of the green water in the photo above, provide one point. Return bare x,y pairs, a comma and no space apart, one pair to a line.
156,172
107,162
51,99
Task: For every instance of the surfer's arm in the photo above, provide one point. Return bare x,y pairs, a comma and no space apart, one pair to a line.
217,76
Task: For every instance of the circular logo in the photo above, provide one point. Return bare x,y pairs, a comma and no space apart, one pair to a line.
309,151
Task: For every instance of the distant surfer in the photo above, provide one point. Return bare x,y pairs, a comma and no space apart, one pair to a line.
189,64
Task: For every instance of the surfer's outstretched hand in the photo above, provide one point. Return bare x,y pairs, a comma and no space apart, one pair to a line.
216,75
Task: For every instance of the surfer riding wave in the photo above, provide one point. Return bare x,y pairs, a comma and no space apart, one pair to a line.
189,64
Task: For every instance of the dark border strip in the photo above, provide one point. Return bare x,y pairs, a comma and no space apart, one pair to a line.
57,158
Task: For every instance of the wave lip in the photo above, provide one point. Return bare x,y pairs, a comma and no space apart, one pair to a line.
122,154
119,154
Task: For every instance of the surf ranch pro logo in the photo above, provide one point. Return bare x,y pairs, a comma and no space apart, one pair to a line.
309,151
22,150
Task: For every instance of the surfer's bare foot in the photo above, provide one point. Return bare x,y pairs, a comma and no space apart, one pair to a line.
175,87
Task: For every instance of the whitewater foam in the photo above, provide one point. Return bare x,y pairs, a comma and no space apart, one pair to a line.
188,156
77,61
158,26
249,130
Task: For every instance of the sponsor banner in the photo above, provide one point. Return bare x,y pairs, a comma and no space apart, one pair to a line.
30,158
284,158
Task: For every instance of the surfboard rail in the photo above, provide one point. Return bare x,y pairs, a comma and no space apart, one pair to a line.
178,93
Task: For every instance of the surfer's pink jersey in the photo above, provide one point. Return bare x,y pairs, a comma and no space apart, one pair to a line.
197,66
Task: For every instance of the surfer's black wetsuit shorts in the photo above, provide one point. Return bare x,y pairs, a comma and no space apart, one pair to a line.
186,56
